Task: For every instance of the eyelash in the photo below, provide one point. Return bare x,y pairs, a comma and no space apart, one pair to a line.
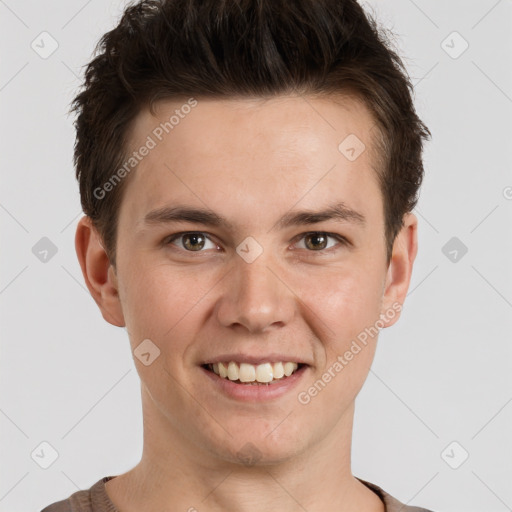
342,240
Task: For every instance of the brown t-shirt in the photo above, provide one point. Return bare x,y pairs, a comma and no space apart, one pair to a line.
96,499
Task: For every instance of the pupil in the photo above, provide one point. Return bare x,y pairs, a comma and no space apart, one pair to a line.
193,237
317,237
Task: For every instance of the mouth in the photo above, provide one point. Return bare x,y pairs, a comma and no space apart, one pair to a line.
263,374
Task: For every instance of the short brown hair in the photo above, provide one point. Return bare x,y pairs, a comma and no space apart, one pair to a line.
171,49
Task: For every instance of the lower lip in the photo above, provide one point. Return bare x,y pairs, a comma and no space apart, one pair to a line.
256,392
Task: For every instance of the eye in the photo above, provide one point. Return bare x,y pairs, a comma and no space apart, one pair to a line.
317,241
190,241
196,241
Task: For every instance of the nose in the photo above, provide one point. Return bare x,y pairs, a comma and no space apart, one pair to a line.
255,296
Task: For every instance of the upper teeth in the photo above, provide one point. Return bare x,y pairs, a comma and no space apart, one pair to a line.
245,372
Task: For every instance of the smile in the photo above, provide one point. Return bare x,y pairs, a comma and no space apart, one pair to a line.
245,373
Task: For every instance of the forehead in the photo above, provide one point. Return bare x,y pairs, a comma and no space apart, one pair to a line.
250,155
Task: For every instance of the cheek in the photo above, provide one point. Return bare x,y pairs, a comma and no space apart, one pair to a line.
162,305
346,301
346,306
158,301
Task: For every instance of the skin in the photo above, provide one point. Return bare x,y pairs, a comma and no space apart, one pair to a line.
251,161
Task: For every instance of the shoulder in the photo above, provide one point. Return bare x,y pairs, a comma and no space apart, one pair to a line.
391,503
79,501
93,499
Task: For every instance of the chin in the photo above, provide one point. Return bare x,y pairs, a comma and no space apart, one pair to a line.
260,448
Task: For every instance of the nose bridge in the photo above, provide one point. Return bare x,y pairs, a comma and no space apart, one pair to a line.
254,296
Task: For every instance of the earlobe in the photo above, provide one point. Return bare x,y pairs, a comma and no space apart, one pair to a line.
99,275
400,268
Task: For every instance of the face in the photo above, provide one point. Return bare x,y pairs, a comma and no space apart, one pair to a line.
259,279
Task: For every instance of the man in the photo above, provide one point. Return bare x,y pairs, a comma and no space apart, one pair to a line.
247,170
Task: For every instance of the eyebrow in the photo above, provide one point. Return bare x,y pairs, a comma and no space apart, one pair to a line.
339,212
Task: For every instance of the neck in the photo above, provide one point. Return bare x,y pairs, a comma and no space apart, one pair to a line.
175,473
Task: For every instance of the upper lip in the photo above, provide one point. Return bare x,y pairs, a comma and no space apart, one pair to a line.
254,359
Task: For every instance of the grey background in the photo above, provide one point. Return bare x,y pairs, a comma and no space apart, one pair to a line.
442,374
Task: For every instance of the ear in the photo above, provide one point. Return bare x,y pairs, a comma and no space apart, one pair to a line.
100,276
399,271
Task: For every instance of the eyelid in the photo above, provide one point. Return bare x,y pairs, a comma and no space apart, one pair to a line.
171,238
340,238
